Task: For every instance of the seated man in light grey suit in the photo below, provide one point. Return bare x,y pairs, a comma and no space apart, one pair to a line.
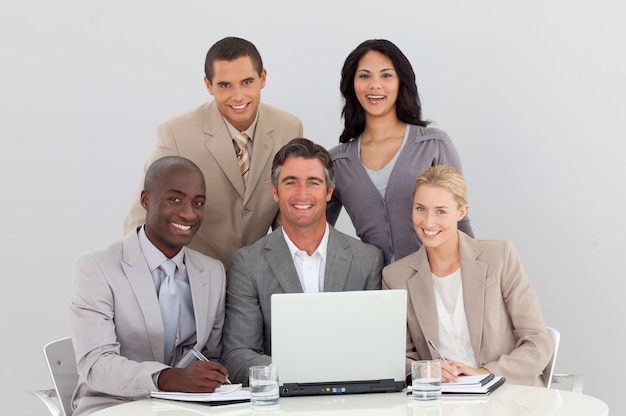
304,255
127,345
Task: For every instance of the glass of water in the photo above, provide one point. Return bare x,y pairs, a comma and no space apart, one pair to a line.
263,385
426,377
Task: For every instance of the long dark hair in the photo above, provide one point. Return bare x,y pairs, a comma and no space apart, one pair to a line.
408,105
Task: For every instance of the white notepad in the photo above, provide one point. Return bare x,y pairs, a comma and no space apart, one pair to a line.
225,393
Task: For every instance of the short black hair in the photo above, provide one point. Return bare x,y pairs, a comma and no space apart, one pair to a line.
229,49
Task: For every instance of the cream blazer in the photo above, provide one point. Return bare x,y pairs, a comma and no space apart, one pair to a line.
504,317
234,217
116,323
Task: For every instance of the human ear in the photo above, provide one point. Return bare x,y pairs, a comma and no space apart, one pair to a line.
208,85
463,211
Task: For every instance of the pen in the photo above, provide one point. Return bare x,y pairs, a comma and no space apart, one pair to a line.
201,357
434,347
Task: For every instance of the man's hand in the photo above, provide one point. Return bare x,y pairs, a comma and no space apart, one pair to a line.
197,377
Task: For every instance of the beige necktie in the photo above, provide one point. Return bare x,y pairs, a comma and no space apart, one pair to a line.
242,155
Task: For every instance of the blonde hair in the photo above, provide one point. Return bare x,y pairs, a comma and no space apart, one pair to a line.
446,177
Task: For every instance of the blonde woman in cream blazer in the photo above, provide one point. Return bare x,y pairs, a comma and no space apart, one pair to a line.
507,332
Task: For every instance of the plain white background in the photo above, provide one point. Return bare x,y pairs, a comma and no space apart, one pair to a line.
532,94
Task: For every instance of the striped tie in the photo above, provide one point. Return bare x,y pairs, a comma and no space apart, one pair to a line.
242,155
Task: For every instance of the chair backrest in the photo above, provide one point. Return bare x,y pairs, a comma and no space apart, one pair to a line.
555,336
62,365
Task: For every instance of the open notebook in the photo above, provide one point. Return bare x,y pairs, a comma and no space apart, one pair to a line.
339,342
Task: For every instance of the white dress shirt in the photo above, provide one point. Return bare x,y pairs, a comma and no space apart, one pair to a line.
310,269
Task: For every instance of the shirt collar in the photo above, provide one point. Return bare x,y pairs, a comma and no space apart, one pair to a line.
155,257
321,249
249,131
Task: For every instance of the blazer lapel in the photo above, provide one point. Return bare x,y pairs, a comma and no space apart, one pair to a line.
220,145
278,258
338,260
261,153
199,285
140,280
422,294
474,282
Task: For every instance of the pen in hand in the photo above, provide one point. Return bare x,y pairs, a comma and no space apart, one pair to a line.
201,357
434,347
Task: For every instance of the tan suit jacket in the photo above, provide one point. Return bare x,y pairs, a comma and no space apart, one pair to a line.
504,317
233,218
116,323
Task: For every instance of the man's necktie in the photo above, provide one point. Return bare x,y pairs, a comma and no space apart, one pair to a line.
242,155
170,308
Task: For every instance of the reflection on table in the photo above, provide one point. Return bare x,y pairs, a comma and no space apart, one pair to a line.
509,400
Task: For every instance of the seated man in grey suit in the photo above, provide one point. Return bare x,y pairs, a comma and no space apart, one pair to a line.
135,320
305,255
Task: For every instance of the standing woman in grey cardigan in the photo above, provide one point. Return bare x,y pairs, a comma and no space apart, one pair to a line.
385,146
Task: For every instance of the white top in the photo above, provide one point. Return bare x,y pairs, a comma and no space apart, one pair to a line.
454,336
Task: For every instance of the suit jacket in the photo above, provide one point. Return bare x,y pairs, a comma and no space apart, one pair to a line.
265,268
386,223
504,317
116,322
233,218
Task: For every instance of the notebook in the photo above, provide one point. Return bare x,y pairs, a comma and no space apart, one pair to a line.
339,342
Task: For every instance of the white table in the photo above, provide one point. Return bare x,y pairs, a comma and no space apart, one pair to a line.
509,400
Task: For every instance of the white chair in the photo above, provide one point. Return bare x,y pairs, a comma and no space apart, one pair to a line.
61,363
555,336
548,376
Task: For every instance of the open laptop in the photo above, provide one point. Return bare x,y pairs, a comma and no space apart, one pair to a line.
339,342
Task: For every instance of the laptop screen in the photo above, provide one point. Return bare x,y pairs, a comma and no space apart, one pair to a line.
345,340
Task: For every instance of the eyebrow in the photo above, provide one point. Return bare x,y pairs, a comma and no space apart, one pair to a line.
438,207
367,70
310,178
229,82
179,192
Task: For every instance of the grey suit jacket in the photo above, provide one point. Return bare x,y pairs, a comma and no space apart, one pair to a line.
503,313
265,268
233,217
116,322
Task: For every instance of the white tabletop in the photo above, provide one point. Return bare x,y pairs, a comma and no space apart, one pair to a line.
507,400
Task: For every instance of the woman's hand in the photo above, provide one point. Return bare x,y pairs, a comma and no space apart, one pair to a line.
470,371
449,371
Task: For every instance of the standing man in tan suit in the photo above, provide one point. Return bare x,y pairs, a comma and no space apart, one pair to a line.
237,170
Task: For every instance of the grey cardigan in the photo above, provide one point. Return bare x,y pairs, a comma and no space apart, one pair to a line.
386,223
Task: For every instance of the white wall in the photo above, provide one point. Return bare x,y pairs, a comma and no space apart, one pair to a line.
531,93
